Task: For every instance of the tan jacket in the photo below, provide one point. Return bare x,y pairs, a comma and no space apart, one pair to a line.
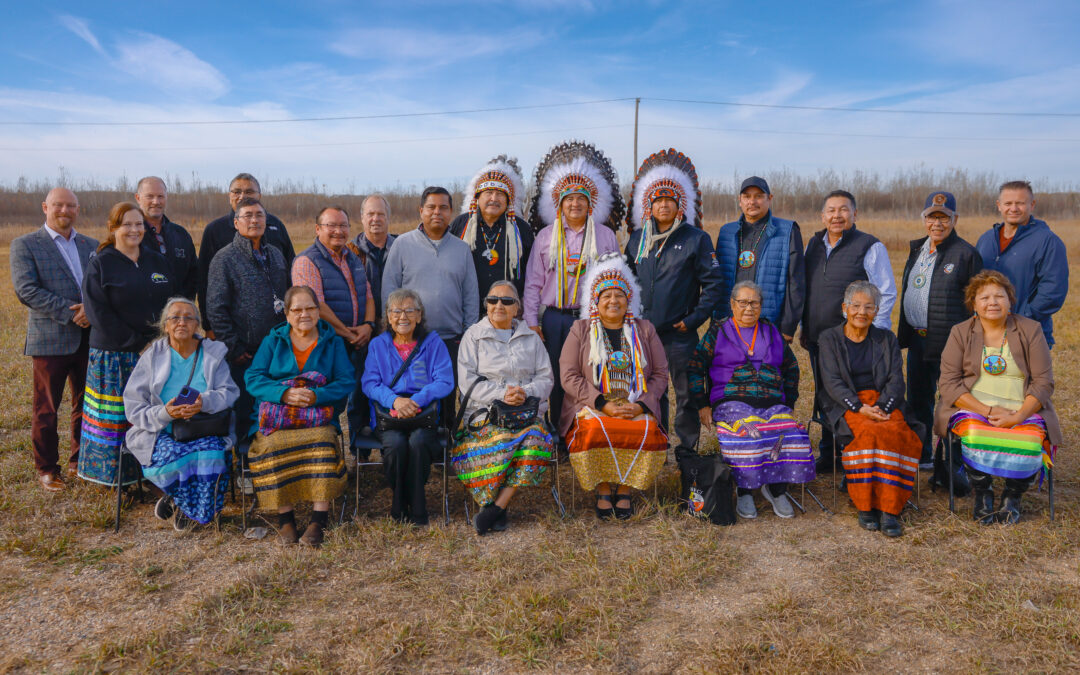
577,382
961,363
522,362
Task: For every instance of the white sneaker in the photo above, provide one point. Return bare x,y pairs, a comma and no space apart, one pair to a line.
781,505
745,507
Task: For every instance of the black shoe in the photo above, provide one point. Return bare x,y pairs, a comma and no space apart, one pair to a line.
604,512
503,522
1009,511
891,525
486,518
624,514
983,513
869,520
163,510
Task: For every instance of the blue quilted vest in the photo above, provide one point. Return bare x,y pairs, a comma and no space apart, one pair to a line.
770,272
335,288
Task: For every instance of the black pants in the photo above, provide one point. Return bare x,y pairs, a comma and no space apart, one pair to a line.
556,325
449,404
359,407
825,448
407,458
244,407
922,377
983,481
776,489
679,347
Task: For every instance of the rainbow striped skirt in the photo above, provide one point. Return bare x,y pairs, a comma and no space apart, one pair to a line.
104,425
493,458
1019,452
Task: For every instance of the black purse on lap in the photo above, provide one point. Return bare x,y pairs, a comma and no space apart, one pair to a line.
201,424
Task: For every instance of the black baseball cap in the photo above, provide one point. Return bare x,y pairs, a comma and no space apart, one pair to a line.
755,181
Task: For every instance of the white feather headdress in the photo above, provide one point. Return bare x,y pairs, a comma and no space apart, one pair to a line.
501,173
667,173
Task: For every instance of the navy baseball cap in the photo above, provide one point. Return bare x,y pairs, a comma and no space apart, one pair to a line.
940,202
755,181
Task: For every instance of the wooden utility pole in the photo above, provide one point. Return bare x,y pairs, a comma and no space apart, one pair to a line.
637,106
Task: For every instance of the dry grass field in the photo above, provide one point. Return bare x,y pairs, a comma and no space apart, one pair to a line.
661,593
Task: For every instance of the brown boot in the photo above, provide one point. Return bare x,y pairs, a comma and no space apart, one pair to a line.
287,534
313,535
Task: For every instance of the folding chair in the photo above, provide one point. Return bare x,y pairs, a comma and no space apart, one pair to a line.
950,445
121,451
369,441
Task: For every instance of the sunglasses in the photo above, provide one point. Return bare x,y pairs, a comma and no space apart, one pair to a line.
492,299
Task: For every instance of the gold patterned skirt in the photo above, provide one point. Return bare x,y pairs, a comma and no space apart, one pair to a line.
296,465
612,450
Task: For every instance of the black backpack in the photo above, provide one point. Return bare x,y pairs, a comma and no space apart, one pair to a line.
708,489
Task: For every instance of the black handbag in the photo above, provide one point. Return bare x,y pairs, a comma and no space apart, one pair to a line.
514,417
708,488
427,418
201,424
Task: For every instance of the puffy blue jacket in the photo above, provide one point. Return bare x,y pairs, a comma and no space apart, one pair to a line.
1036,264
275,362
430,376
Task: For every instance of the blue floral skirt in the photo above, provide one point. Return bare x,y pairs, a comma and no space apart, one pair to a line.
104,424
195,474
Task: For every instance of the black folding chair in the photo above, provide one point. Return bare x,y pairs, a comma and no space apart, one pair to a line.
121,451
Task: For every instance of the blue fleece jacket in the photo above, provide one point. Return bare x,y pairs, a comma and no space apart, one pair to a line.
275,362
430,377
1036,263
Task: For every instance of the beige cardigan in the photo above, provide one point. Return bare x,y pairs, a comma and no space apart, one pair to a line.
961,363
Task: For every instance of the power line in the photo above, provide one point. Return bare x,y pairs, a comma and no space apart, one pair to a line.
889,111
324,145
289,120
853,135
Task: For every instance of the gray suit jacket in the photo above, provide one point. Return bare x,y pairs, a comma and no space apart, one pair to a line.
44,283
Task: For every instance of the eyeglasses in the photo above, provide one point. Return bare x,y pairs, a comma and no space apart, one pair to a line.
252,216
409,311
869,309
246,193
745,304
182,318
492,299
938,220
297,311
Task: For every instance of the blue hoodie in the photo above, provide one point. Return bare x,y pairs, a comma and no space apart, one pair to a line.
1036,264
430,377
275,362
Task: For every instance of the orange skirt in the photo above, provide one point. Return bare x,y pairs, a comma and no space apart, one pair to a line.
881,464
612,450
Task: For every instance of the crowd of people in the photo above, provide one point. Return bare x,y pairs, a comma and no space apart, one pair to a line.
525,328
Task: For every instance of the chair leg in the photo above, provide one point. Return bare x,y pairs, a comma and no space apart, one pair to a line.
356,504
1050,490
243,496
446,480
835,488
119,484
824,509
949,449
555,492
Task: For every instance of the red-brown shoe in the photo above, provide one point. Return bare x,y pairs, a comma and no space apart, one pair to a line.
313,535
51,482
287,534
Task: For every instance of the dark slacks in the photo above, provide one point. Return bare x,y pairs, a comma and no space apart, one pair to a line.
556,325
358,410
245,406
449,404
922,377
678,347
825,448
50,374
407,458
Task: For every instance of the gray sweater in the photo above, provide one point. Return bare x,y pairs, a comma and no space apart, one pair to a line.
240,295
442,275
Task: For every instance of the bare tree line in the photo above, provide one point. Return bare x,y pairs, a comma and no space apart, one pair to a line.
899,196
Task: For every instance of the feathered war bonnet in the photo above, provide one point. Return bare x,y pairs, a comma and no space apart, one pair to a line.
667,173
611,271
502,174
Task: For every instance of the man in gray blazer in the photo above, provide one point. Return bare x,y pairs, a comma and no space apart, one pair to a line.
47,269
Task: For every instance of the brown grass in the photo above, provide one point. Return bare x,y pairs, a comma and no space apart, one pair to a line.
661,593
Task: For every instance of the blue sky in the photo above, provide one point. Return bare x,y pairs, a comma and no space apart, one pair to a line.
120,62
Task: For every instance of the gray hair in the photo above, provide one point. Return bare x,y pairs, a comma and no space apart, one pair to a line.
175,300
385,201
862,287
508,284
746,284
399,296
246,176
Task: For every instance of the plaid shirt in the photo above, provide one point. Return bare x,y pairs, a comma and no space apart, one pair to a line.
306,273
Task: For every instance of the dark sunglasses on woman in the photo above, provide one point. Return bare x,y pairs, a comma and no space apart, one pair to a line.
492,299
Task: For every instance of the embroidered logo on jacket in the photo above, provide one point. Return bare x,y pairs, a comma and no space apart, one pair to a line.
159,278
948,268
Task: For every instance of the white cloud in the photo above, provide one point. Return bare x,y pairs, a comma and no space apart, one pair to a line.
81,29
425,47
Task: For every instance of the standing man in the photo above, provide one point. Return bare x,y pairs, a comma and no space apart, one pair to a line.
836,256
166,237
219,233
47,268
1025,250
767,250
440,269
337,276
931,303
373,243
499,239
678,272
576,201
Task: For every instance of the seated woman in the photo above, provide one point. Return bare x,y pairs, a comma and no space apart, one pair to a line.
614,372
300,377
996,382
744,379
193,474
407,373
863,400
494,461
